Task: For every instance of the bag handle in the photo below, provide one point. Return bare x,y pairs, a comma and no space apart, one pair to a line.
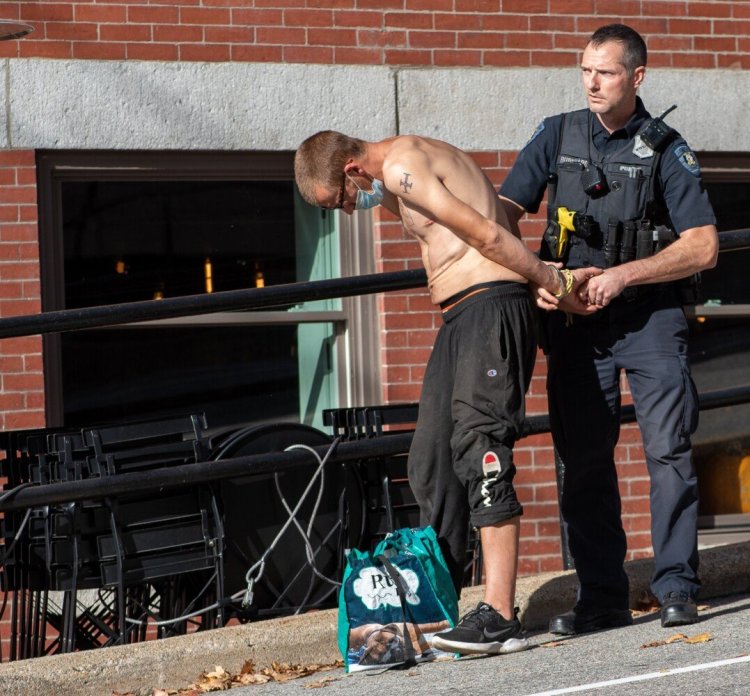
398,582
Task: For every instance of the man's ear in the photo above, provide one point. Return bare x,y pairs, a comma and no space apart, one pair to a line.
638,75
351,167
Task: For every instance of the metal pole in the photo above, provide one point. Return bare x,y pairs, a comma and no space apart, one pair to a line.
251,298
201,472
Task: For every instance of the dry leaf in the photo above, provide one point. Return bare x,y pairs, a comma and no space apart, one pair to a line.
325,681
700,638
552,644
703,607
675,638
654,644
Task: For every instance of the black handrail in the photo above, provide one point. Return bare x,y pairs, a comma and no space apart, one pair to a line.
250,298
388,445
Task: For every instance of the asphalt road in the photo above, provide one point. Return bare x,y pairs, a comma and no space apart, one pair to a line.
614,663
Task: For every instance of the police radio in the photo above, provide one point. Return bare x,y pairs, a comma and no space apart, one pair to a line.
656,131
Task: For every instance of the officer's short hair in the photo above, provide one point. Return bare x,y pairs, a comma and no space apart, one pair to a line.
634,53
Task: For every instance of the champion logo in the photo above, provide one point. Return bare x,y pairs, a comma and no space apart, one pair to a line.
491,468
490,462
492,373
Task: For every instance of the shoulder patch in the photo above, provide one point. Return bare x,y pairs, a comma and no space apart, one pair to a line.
686,157
538,130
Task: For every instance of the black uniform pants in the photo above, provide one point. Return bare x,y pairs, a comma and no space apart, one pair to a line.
471,412
649,342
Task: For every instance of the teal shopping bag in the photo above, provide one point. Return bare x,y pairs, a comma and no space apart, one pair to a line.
393,599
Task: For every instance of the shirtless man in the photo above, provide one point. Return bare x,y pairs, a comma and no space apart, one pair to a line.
472,404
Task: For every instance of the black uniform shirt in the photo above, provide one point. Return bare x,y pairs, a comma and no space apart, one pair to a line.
679,174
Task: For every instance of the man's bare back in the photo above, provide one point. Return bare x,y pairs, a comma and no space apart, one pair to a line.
452,265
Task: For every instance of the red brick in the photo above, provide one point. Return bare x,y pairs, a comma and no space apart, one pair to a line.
311,54
10,401
405,57
99,51
736,62
158,14
465,22
204,16
20,346
79,31
689,26
23,420
282,36
478,6
721,44
506,22
125,32
47,12
11,364
411,321
380,5
259,54
485,39
553,23
208,52
357,56
108,14
331,37
368,37
151,51
409,20
256,18
402,393
432,39
528,6
235,35
355,18
28,48
308,18
507,59
22,382
709,9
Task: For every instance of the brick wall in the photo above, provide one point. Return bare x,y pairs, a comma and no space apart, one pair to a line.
515,33
21,379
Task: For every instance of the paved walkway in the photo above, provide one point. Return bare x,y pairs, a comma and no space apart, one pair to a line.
310,638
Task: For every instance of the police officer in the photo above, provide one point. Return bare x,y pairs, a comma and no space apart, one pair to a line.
624,194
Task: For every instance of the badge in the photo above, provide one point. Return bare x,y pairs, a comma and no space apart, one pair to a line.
687,159
640,149
538,130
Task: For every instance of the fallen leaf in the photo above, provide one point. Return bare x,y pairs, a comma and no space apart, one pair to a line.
700,638
675,638
703,607
654,644
325,681
552,644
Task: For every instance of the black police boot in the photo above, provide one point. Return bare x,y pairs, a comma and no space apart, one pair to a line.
584,619
678,609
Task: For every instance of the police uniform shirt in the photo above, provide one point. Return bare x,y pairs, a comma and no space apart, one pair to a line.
679,174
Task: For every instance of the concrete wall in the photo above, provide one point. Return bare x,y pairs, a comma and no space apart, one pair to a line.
82,104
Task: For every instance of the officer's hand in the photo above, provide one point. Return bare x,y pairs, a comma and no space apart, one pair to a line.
575,305
602,289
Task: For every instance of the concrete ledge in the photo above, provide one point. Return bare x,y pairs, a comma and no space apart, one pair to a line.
310,638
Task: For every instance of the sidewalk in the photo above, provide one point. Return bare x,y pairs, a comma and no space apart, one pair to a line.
307,639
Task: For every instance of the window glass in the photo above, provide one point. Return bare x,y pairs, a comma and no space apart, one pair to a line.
126,241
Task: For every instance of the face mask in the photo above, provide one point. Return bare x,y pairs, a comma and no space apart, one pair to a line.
369,199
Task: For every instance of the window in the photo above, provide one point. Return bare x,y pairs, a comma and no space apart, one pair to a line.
124,227
720,354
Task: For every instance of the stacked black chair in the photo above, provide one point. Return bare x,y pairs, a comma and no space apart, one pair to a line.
142,554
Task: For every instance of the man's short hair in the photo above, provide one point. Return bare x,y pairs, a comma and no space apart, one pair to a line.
634,53
320,160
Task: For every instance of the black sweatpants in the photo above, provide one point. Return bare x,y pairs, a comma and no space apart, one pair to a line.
470,415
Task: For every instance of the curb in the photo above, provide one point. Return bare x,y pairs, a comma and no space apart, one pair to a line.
309,638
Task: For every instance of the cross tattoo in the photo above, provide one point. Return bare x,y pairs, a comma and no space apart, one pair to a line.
405,183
